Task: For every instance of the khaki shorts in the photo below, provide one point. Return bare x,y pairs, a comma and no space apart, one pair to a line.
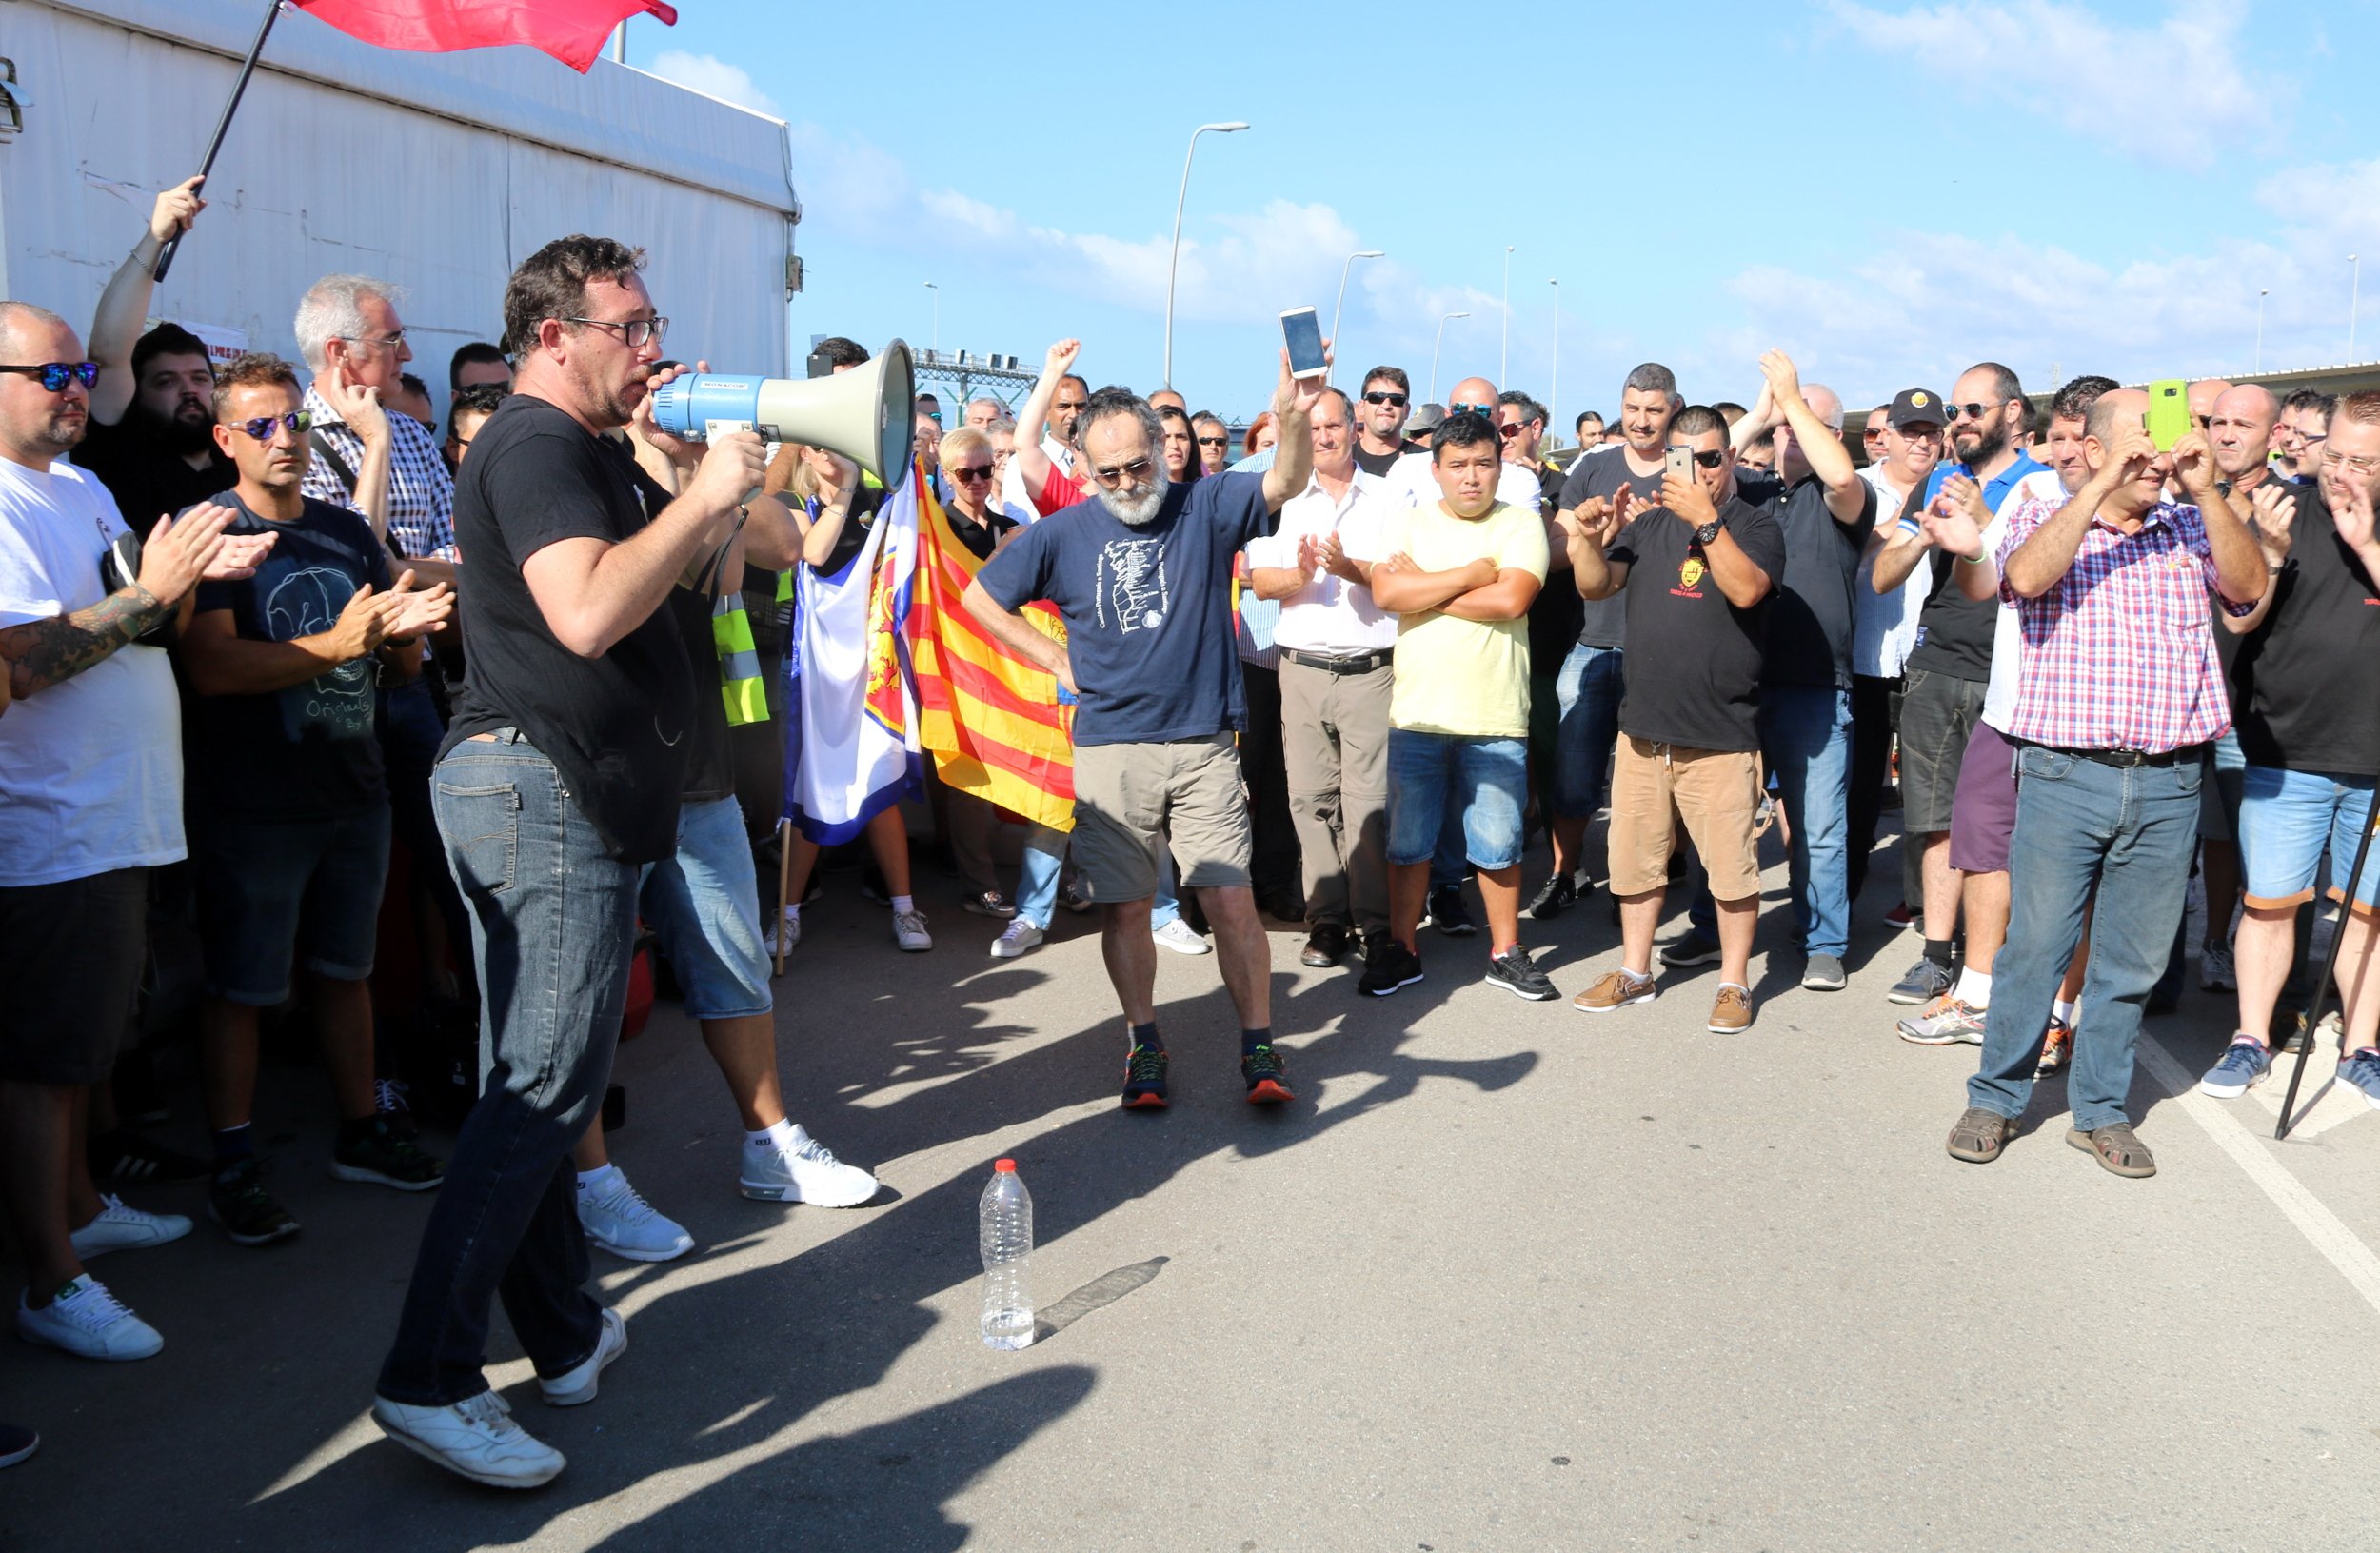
1131,800
1716,792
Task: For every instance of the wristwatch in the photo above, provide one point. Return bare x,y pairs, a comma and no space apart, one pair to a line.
1707,532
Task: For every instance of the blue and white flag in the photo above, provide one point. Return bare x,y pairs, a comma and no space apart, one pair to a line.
851,724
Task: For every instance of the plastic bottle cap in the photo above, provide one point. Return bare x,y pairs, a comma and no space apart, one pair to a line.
1007,1165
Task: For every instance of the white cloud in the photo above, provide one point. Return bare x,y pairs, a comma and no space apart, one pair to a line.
2176,87
713,77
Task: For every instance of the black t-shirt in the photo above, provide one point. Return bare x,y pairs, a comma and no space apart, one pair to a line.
146,480
1378,464
1600,472
1692,676
1810,629
1558,611
1954,633
615,727
981,539
2308,676
307,751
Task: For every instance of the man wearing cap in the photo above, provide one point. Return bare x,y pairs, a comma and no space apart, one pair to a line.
1424,421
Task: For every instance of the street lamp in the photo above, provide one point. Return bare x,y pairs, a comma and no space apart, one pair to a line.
2354,289
1504,346
1554,390
2261,294
937,316
1174,262
1435,348
1367,253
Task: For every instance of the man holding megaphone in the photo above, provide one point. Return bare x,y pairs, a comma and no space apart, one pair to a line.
560,778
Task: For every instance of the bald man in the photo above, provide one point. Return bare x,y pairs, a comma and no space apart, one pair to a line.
2202,395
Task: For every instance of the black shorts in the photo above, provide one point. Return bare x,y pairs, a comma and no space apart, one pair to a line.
70,966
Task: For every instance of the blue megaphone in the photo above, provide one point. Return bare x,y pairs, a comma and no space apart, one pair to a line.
867,414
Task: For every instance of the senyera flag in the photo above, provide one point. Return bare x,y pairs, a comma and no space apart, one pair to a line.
571,30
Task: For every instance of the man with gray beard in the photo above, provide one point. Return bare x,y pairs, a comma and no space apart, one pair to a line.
1142,573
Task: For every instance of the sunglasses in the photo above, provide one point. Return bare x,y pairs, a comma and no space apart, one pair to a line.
1488,410
1971,413
55,375
934,416
1395,399
978,471
1138,470
1510,429
297,423
1711,460
1214,442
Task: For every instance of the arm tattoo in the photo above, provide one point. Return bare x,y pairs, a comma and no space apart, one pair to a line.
45,652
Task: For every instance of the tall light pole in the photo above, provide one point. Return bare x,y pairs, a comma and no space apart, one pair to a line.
937,316
2261,294
1435,348
1554,390
1174,262
2354,294
1504,348
1367,253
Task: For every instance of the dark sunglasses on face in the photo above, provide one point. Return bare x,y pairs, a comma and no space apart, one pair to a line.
1138,470
55,375
297,423
1971,413
1711,460
1395,399
1488,410
977,472
1214,442
1509,429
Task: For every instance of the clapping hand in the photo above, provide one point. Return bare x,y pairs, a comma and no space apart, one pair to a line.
2275,512
412,612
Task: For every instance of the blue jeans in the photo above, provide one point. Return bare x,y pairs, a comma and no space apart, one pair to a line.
1482,783
706,907
1805,738
1037,875
1590,689
553,921
2079,824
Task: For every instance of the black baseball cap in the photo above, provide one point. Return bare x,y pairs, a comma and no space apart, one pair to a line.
1914,407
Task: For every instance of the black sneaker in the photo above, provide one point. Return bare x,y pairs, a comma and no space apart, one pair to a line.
236,1198
387,1157
1691,948
1267,1079
1387,965
1144,1079
1517,974
1448,914
1556,896
125,1155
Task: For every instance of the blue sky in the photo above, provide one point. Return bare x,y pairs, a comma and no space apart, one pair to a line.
1888,192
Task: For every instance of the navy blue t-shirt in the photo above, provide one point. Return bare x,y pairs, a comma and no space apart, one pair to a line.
1147,610
307,751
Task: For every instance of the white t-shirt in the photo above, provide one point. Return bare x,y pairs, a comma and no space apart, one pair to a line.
2008,641
1884,626
90,768
1410,483
1330,614
1018,502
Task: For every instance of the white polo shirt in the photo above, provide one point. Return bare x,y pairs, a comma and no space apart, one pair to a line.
1884,626
1330,615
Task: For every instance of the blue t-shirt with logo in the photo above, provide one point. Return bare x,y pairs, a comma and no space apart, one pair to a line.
1148,607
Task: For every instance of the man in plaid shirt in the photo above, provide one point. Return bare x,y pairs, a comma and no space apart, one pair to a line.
2121,693
347,327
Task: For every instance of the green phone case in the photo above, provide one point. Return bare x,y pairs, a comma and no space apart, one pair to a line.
2169,412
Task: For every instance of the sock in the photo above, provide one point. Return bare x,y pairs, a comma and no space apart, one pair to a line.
232,1144
1146,1035
793,911
1975,988
2064,1009
775,1138
903,903
1938,950
1250,1040
589,1180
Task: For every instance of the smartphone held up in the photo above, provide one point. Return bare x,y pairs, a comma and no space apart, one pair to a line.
1302,331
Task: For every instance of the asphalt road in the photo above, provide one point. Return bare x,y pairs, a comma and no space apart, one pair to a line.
1506,1276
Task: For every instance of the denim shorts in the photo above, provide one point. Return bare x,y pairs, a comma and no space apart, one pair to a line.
267,888
705,903
1489,779
2286,819
1589,689
2218,801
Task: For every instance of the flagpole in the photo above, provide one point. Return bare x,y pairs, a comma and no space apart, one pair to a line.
223,125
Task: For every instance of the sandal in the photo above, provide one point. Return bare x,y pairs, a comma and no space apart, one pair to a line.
1980,1135
2119,1149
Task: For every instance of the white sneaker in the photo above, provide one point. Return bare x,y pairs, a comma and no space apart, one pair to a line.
119,1229
624,1224
1177,936
909,933
1019,937
788,931
2216,973
86,1319
475,1437
577,1384
807,1172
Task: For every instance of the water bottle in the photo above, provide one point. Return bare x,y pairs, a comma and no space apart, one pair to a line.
1006,1217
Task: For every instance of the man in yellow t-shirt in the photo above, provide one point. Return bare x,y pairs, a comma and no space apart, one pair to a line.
1459,574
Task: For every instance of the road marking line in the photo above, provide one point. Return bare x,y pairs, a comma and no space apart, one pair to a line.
2322,1229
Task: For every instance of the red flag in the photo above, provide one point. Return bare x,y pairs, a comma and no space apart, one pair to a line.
571,30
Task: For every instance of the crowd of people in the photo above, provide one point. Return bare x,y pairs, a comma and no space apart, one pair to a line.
267,630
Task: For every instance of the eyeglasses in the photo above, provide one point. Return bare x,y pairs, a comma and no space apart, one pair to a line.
1872,431
1214,442
1488,410
55,375
1510,429
1395,399
1711,460
2360,466
1138,470
297,423
635,333
973,472
1971,413
378,342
